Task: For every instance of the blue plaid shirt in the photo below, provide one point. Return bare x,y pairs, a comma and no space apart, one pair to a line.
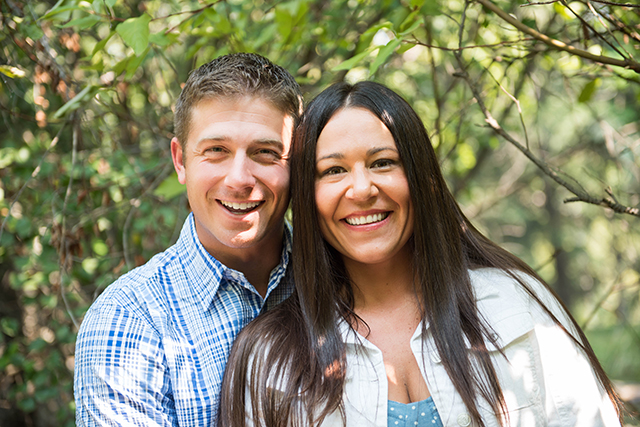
152,348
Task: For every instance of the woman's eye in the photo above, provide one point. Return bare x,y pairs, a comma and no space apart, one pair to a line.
332,171
382,163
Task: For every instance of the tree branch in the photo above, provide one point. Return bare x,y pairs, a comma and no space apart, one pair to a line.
557,44
580,194
611,3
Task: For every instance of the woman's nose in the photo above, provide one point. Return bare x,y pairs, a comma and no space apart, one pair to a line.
362,186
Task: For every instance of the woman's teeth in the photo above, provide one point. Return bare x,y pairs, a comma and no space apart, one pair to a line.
369,219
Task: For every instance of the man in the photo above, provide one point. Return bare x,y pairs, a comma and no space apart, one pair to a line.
152,348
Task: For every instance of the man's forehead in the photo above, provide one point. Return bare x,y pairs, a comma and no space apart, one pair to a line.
252,119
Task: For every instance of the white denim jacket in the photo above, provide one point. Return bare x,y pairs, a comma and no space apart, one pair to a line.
546,379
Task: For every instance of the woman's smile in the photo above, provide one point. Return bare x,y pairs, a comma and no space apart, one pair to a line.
367,219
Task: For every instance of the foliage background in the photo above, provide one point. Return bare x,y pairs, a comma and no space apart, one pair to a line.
521,123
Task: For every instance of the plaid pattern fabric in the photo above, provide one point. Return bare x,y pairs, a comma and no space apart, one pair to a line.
152,348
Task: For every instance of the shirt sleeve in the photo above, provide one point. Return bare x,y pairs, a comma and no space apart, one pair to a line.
121,375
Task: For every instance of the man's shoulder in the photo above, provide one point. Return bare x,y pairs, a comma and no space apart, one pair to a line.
136,288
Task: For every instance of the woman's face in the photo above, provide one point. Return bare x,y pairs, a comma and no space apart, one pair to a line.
362,194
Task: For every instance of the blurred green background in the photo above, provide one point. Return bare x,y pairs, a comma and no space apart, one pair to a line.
527,104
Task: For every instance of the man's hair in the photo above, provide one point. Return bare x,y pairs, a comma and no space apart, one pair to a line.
237,75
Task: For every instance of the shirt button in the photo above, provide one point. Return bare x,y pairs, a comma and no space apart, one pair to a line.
464,420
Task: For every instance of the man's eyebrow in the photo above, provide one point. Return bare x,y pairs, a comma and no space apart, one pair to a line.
212,138
270,141
261,141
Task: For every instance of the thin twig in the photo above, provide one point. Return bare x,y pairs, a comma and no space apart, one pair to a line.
63,246
457,49
135,203
517,103
539,3
191,12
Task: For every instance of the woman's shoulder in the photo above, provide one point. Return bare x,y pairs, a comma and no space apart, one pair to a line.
513,285
514,297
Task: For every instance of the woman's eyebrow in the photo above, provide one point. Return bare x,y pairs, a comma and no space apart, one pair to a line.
376,150
331,156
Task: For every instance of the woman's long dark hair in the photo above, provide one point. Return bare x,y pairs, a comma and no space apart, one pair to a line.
292,360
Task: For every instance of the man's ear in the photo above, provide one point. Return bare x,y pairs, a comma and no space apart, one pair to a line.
177,155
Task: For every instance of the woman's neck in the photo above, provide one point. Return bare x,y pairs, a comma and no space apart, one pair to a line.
382,286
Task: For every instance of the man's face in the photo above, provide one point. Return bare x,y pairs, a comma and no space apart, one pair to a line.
237,176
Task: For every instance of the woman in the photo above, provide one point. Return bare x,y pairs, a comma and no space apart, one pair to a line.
403,314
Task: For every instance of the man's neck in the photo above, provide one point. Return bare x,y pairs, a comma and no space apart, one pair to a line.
255,262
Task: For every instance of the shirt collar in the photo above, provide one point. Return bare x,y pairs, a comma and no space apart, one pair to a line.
204,273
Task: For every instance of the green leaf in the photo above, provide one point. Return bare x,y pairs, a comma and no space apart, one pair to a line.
134,63
100,45
170,188
409,27
12,72
588,90
367,37
99,247
211,14
265,35
83,23
84,95
285,21
27,404
351,62
160,39
57,9
431,8
34,31
383,55
97,5
135,33
562,11
9,326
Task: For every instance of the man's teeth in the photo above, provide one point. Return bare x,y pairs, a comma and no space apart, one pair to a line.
362,220
239,206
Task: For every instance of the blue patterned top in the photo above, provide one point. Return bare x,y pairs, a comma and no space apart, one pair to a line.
417,414
152,348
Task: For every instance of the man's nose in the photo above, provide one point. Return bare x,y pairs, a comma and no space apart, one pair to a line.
240,174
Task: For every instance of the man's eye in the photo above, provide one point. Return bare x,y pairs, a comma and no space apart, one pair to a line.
211,150
266,154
